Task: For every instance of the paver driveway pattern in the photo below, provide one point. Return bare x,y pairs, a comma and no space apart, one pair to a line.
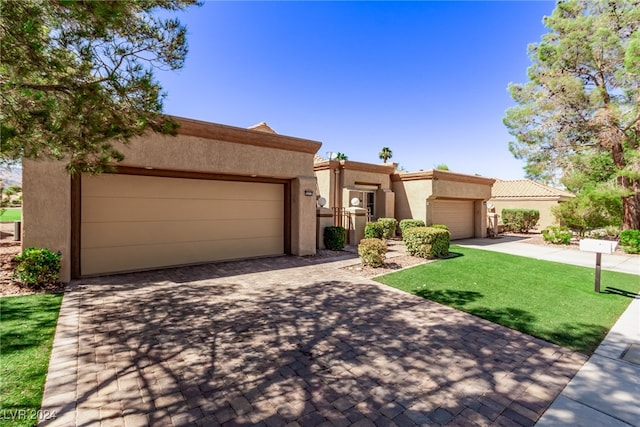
287,341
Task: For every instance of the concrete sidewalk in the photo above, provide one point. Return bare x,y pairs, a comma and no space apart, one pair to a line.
515,246
605,391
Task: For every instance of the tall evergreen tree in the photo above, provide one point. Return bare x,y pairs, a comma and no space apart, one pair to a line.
385,154
583,94
76,77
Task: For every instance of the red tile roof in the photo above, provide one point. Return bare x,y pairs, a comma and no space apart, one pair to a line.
524,188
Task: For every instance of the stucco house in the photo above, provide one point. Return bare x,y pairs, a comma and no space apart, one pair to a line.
214,192
443,197
436,197
528,194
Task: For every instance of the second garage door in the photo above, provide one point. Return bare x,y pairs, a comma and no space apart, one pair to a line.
131,222
457,215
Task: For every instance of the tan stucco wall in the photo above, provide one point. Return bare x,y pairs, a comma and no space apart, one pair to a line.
460,190
303,216
354,177
191,153
46,209
543,206
411,199
324,178
47,188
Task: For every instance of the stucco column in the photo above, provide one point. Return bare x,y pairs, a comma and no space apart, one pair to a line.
46,210
358,223
480,213
386,201
303,216
324,218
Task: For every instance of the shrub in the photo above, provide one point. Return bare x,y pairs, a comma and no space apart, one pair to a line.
389,225
372,252
556,234
427,242
334,237
37,267
373,230
408,223
630,241
440,226
520,220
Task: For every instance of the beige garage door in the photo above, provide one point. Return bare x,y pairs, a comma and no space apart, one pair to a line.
140,222
457,215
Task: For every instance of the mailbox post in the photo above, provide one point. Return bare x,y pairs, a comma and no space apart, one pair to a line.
599,247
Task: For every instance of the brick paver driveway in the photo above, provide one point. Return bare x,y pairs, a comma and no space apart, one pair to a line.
287,341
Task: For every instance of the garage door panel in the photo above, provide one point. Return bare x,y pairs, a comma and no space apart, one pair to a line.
458,215
180,188
140,222
129,233
116,209
131,258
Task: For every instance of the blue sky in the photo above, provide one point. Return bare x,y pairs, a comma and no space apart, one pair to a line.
427,79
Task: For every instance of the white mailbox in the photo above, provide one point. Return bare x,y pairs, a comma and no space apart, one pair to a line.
599,246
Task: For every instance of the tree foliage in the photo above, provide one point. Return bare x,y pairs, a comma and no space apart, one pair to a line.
385,154
341,156
77,77
582,96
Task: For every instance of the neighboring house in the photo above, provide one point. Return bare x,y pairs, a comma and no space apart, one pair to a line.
435,196
527,194
213,192
443,197
341,181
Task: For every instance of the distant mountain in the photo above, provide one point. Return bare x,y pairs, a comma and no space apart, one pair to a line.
11,175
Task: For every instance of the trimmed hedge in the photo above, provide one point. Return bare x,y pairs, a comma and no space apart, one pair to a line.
556,234
408,223
630,241
520,220
374,230
441,226
427,242
389,225
334,237
372,252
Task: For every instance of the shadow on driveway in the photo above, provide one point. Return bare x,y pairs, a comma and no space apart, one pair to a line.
303,343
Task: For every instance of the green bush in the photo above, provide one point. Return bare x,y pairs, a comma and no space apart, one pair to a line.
520,220
557,234
630,241
37,267
372,252
334,237
426,242
374,230
389,225
440,226
408,223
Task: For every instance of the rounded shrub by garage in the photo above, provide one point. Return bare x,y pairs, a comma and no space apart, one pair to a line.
374,230
520,220
427,242
37,267
630,241
334,237
389,225
372,252
408,223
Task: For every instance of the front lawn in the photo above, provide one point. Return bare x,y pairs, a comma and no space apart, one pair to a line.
549,300
11,215
27,326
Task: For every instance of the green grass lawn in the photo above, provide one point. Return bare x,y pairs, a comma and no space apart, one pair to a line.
549,300
11,214
27,326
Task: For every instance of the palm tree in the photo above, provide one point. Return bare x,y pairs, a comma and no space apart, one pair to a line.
341,156
385,154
